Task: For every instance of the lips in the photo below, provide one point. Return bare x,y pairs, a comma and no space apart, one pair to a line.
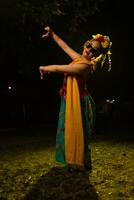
87,52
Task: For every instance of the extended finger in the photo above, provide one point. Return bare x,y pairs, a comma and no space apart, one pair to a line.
41,75
46,35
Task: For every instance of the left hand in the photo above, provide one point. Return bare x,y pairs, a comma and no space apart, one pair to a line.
47,32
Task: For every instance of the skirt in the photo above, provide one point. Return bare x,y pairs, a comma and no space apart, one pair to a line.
88,118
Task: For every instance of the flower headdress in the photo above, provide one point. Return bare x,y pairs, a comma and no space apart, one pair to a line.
106,44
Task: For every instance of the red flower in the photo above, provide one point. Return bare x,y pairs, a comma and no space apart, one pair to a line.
101,39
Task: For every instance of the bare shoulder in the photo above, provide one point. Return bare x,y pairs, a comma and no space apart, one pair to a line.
89,70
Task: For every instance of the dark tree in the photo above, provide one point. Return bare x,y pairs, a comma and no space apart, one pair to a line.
22,23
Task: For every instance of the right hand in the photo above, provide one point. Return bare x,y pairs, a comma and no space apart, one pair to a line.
42,72
47,32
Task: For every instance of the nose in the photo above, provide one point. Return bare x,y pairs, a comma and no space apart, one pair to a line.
89,49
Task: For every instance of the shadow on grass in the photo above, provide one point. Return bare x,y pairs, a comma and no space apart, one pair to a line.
59,184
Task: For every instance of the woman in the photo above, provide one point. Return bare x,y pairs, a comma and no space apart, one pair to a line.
77,111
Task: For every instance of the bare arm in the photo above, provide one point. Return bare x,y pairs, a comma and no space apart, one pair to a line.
65,47
82,69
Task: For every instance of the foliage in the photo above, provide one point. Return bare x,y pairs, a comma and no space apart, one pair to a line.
22,23
45,11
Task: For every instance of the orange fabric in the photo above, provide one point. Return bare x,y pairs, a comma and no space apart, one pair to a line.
74,137
81,81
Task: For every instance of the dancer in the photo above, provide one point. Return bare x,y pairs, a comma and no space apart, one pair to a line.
77,110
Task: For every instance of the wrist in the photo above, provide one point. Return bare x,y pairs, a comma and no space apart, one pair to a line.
52,34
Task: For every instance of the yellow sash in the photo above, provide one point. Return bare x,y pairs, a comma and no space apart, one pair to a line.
74,137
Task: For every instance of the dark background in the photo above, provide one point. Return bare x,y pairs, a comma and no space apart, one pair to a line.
25,100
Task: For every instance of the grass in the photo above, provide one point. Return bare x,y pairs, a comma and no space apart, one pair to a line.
28,170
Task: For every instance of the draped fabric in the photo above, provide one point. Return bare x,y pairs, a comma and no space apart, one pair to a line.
74,138
76,118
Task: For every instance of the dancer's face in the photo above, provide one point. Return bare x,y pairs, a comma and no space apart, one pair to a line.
91,49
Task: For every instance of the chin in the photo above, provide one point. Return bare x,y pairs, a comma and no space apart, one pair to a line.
87,57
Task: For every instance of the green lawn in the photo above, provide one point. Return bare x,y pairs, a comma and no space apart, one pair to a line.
28,172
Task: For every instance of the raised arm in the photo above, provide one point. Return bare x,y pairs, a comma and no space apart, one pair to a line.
65,47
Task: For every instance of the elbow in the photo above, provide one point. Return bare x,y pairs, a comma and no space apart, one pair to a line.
56,68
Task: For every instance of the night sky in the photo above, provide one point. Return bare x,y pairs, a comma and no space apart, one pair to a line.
20,86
